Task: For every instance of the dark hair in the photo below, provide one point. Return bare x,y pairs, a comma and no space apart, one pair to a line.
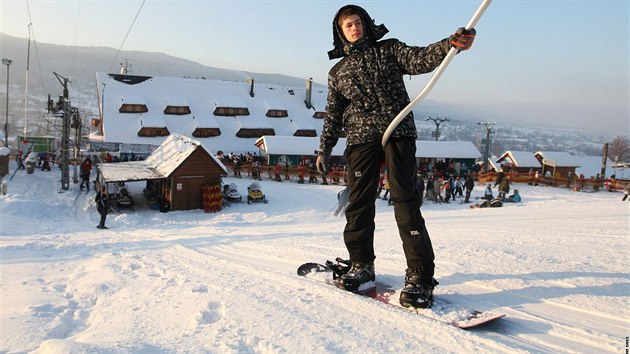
346,13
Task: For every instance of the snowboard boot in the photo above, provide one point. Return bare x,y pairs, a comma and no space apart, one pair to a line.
359,274
418,291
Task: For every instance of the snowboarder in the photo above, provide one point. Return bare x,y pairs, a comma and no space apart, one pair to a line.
102,205
365,92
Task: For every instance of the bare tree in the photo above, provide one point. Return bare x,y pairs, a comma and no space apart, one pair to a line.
620,149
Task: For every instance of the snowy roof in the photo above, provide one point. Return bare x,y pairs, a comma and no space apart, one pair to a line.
447,149
520,159
294,145
560,158
128,171
289,145
592,165
175,149
160,164
202,97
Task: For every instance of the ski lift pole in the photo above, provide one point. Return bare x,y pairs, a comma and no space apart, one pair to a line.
436,76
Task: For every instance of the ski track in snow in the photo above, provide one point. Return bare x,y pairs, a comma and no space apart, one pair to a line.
226,283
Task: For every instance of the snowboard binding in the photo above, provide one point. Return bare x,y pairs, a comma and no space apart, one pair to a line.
341,267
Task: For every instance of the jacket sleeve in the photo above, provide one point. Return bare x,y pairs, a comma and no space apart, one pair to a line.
421,60
333,124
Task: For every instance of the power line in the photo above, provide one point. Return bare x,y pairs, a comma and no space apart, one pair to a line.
76,31
39,66
123,42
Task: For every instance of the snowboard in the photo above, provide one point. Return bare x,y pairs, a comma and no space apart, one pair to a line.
441,310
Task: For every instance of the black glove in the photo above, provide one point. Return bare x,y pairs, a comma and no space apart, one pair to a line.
463,38
322,162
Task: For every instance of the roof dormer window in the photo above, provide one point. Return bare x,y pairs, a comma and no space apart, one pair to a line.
277,113
231,111
133,108
319,115
177,110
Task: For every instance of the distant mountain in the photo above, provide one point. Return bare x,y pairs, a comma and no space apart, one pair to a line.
80,64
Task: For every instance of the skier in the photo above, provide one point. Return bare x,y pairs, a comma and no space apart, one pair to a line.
102,205
365,92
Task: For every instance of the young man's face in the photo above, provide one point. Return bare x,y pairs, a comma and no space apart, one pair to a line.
352,28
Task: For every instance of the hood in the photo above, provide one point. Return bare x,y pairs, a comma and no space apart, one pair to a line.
371,32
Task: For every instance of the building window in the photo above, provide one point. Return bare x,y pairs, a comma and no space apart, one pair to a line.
177,110
277,113
133,108
206,132
305,132
319,115
254,132
153,131
231,111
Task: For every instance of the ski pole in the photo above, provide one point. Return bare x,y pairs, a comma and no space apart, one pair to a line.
436,76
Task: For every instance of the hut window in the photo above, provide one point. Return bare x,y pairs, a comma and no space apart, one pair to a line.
177,110
277,113
133,108
231,111
319,115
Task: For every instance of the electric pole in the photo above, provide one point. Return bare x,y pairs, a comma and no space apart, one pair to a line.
437,121
486,150
7,62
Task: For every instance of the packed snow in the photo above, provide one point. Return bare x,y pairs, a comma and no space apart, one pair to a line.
190,282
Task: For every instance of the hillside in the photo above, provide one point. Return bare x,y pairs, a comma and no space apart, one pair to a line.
191,282
80,64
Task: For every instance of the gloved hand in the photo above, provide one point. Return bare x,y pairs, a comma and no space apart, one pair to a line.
463,38
322,162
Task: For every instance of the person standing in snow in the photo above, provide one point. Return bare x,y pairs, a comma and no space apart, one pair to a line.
102,205
86,170
504,189
470,185
365,92
458,188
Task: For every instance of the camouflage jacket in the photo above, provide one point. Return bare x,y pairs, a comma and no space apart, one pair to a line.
366,89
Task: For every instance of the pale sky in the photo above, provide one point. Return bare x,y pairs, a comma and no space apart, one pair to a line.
564,63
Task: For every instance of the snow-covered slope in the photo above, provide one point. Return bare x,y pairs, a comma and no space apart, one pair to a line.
184,282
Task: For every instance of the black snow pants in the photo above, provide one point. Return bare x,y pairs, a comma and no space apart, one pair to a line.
364,163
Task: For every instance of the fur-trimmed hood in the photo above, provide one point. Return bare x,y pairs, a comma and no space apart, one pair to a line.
371,32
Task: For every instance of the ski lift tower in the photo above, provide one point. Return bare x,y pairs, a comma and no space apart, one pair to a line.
437,121
65,134
486,150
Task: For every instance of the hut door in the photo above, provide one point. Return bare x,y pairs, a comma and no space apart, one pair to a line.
187,193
